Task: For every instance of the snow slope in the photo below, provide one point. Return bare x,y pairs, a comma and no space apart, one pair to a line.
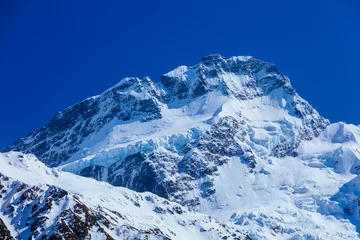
38,202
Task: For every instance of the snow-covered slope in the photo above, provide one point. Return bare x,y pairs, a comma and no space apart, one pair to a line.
38,202
226,137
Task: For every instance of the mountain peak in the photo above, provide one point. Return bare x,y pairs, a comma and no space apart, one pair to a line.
245,77
217,58
240,78
212,58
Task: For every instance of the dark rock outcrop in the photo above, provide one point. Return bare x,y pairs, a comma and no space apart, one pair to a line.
4,232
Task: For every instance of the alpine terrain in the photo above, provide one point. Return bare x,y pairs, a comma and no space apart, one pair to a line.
224,149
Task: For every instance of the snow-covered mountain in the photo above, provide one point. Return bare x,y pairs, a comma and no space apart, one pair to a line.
230,138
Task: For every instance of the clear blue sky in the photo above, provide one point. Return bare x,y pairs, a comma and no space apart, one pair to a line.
56,53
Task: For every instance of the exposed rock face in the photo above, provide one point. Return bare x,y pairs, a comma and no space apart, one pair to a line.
32,207
4,232
136,171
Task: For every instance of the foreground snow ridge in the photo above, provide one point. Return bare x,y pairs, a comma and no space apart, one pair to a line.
38,202
227,139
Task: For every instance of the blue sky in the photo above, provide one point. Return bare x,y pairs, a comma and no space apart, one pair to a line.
56,53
